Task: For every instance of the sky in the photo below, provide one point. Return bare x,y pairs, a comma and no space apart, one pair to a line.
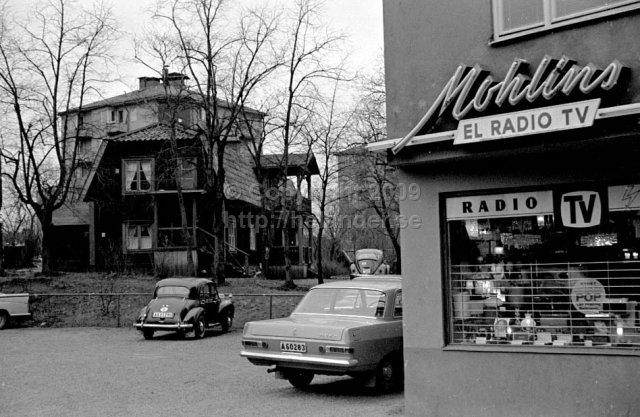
360,20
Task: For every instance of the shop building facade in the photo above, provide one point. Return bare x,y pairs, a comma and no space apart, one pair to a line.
520,123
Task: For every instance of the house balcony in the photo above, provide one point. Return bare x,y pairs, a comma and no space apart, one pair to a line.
298,204
114,128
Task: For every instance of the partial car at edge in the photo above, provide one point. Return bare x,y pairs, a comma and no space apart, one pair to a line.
341,328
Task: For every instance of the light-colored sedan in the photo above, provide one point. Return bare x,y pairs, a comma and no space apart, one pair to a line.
14,307
341,328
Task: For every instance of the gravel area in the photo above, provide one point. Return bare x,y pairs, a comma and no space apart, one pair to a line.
115,372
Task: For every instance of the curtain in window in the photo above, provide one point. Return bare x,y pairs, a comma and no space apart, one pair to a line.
131,182
145,175
145,237
132,238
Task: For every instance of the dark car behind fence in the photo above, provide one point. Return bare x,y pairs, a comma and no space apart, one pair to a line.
121,309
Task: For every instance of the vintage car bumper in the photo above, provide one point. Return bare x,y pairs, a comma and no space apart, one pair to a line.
264,358
168,327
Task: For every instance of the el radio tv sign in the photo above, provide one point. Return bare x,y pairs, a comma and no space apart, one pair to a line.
529,122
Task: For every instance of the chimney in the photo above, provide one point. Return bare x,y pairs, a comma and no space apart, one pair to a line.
146,82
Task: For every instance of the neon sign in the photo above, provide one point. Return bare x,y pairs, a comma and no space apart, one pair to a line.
551,78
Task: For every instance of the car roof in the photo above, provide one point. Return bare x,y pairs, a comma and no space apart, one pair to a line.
182,282
380,282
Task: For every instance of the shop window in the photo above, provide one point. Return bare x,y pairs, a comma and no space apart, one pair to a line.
138,175
138,237
518,17
545,268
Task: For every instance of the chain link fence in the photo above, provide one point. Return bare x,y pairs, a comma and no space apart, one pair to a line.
122,309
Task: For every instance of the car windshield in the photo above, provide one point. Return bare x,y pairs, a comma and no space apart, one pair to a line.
343,301
172,291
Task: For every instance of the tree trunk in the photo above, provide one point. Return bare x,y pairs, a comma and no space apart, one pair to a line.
319,260
48,244
218,266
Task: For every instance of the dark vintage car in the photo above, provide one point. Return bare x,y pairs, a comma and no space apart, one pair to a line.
341,328
185,305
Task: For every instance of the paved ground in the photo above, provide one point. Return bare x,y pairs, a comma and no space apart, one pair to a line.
115,372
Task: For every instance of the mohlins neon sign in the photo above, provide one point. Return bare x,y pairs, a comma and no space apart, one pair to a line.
473,88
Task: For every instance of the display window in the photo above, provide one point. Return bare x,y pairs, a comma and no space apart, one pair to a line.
551,267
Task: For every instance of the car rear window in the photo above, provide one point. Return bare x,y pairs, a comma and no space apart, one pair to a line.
172,292
343,301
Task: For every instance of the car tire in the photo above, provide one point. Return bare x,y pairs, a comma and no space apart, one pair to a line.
148,334
199,327
227,321
389,374
4,319
299,379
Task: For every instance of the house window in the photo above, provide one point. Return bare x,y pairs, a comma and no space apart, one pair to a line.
550,267
231,234
187,173
138,237
252,237
138,175
117,116
513,18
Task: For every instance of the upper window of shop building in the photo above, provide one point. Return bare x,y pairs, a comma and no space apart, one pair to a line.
513,18
553,267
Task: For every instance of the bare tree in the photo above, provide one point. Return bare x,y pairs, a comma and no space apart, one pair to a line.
48,65
328,131
378,188
307,65
226,67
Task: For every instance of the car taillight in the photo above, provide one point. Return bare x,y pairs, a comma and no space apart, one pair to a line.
255,343
340,349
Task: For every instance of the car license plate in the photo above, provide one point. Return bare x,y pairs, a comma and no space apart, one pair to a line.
159,314
293,347
366,270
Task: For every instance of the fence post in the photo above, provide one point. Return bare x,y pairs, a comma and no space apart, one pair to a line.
118,307
271,306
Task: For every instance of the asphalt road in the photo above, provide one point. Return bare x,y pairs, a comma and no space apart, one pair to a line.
115,372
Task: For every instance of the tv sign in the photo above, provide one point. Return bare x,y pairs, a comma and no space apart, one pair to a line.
580,209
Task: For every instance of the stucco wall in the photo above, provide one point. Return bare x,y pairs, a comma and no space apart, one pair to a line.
426,40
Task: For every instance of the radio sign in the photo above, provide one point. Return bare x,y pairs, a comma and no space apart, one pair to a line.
528,122
588,295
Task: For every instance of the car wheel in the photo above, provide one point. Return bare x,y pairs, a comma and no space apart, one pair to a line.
199,327
147,333
227,321
4,319
389,375
299,379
